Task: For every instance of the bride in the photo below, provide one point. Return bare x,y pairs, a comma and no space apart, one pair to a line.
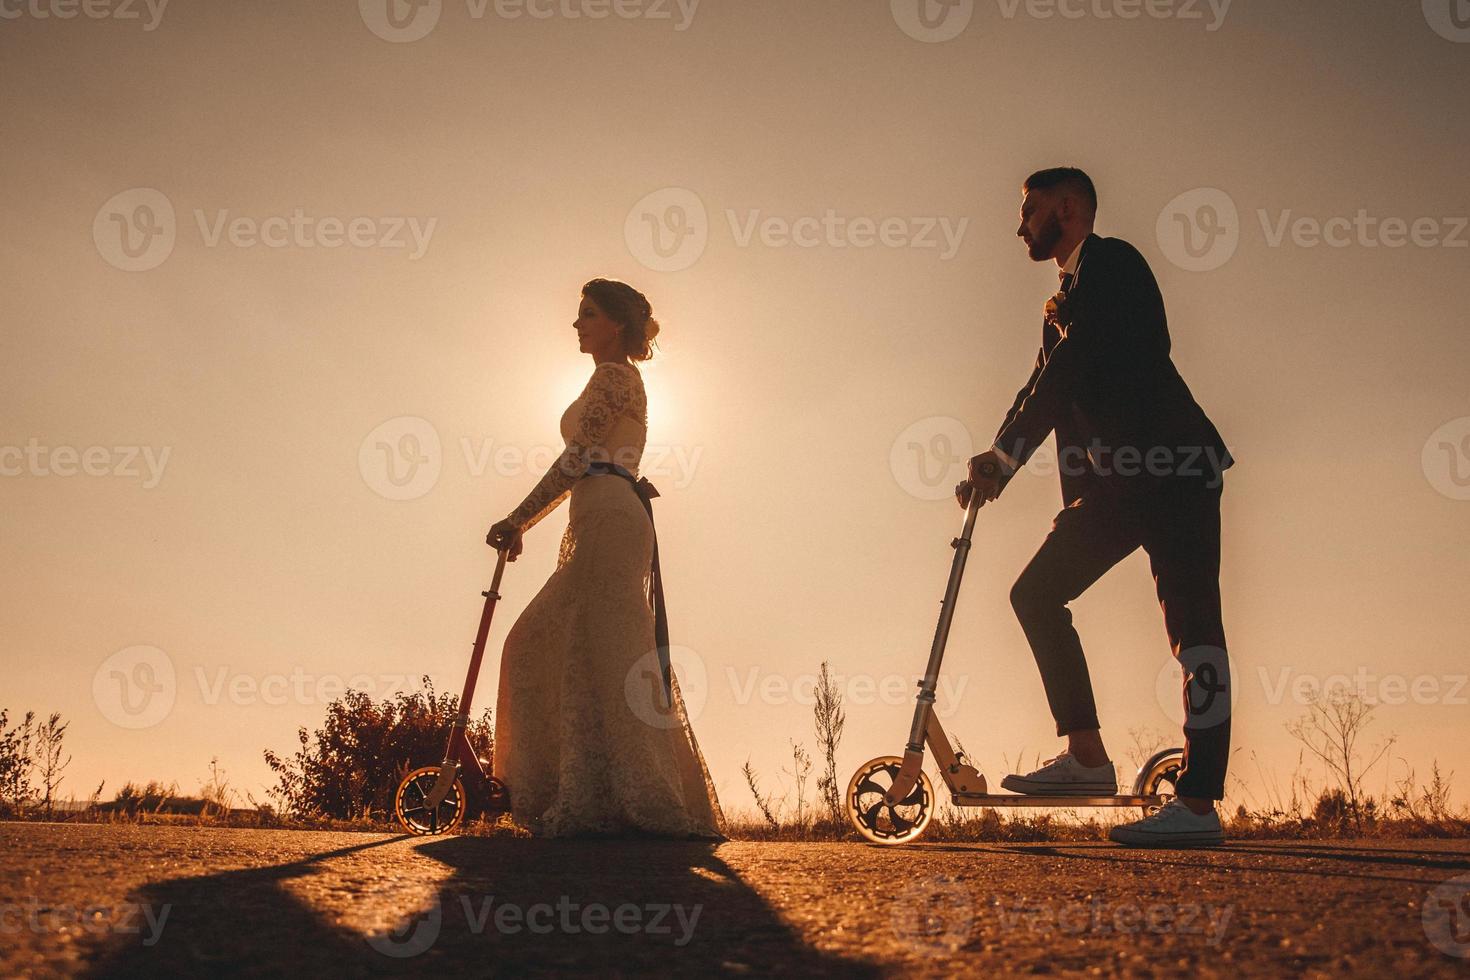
588,738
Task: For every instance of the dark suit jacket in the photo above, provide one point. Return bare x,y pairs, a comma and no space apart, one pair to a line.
1103,381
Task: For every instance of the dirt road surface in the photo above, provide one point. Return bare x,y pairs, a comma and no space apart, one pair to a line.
118,900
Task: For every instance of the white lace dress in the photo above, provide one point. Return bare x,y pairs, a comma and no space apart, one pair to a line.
583,738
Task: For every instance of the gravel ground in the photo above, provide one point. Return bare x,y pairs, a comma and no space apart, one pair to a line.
196,901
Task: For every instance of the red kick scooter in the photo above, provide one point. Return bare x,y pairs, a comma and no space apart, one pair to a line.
431,799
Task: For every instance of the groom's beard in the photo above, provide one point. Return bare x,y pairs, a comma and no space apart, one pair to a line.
1044,244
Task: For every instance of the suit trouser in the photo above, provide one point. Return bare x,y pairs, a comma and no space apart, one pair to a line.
1177,523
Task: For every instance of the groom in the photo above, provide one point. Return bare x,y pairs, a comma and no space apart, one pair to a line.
1141,466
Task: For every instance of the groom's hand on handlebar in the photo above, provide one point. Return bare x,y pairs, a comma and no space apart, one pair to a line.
986,472
506,537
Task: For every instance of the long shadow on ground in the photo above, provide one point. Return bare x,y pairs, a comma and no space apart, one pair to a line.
510,906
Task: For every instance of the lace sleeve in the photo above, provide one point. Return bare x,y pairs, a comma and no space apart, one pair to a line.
606,397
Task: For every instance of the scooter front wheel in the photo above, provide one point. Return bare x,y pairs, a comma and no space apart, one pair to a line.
875,819
410,804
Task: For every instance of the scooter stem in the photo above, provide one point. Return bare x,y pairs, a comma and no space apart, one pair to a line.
913,756
449,769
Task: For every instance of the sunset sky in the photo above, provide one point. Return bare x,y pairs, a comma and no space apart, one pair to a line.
379,226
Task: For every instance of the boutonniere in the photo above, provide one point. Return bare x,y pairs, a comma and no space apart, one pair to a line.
1059,310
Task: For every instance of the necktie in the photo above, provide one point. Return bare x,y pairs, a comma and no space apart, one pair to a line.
1067,278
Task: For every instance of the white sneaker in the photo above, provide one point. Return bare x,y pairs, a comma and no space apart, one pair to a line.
1065,776
1175,825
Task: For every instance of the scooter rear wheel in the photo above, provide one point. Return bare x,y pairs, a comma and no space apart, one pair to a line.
873,817
1158,777
413,813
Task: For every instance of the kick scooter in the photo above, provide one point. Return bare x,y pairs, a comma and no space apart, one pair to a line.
890,799
431,799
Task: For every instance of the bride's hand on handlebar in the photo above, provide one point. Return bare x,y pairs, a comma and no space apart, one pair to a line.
506,537
962,491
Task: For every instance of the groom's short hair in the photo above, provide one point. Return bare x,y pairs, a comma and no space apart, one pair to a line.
1070,178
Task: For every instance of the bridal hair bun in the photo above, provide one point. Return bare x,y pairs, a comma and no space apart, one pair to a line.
630,309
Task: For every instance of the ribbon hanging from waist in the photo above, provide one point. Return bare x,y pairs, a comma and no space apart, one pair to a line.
646,492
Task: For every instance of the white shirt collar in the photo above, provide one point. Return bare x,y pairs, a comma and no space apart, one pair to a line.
1070,269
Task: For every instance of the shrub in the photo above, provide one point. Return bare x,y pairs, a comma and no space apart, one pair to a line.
351,766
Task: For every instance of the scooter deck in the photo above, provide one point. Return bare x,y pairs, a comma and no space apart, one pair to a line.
1017,799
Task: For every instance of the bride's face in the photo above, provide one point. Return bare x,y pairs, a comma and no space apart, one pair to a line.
596,334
